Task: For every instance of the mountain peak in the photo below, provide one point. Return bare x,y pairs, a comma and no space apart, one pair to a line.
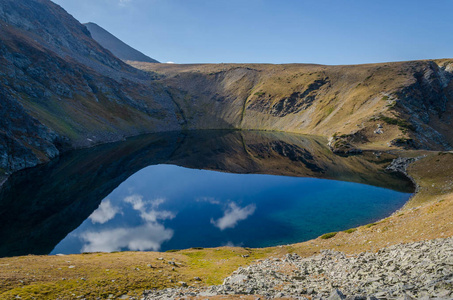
115,45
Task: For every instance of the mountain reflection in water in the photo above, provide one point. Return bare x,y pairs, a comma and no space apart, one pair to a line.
159,192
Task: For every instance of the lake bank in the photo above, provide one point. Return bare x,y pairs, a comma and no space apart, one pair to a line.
428,215
44,205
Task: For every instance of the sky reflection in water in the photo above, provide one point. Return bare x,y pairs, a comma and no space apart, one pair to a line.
166,207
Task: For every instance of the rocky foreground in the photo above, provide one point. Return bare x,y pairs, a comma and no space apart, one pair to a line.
421,270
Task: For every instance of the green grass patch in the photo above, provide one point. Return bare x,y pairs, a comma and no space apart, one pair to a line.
385,98
401,123
370,225
259,94
391,105
351,230
329,111
328,235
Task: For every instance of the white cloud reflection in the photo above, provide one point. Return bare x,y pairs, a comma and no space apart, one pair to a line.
104,213
232,215
148,209
148,236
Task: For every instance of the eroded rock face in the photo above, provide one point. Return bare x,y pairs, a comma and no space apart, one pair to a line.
422,270
293,104
426,94
427,100
23,137
60,89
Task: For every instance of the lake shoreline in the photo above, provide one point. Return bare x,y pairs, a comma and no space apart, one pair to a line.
69,189
428,215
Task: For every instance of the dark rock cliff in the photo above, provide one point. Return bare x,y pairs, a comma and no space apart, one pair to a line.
427,102
60,89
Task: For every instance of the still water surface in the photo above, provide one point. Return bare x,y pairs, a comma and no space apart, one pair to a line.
166,207
197,189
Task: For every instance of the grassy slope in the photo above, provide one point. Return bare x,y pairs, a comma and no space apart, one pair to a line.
330,99
428,215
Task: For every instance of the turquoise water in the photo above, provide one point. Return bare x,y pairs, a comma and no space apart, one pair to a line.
163,207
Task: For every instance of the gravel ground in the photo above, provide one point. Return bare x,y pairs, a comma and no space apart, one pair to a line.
421,270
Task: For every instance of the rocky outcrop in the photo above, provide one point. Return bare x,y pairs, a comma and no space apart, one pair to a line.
293,104
60,89
427,102
22,137
421,270
342,145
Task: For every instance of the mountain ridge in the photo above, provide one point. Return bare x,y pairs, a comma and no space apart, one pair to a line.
63,90
375,106
118,48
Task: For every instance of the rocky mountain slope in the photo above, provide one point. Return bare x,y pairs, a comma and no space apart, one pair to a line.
403,104
115,45
60,89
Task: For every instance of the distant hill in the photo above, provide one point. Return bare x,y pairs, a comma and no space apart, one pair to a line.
115,45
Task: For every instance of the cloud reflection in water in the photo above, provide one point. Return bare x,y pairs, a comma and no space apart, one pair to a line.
147,209
145,237
232,215
148,236
105,212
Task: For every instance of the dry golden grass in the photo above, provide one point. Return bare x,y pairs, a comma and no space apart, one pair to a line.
309,99
347,103
103,274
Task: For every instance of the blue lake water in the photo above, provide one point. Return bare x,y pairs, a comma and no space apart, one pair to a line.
163,207
195,189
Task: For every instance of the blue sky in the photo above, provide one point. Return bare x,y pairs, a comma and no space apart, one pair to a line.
276,31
